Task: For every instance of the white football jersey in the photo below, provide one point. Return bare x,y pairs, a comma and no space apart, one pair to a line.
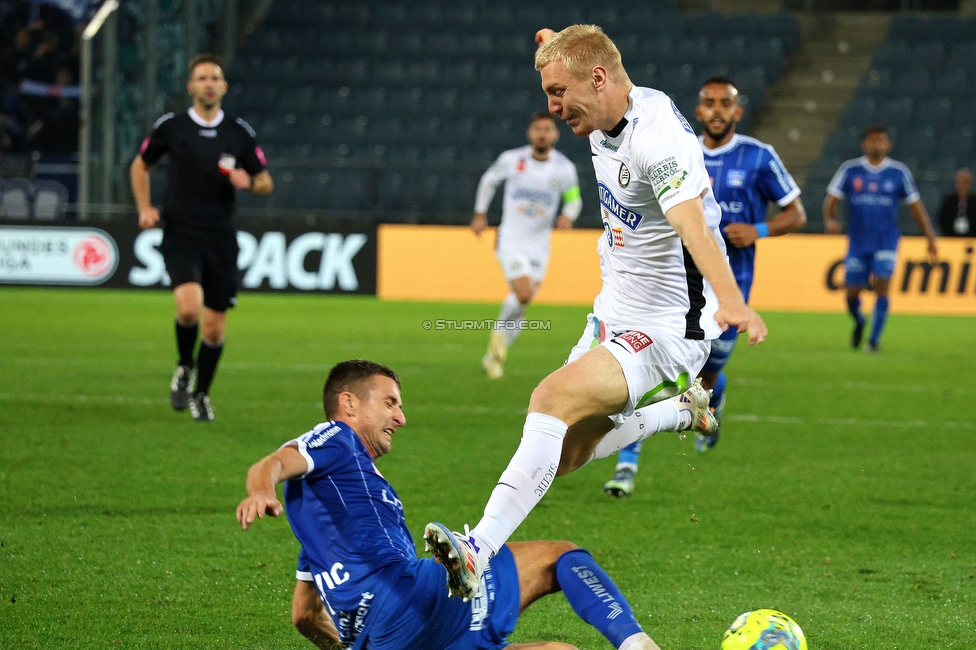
643,169
533,192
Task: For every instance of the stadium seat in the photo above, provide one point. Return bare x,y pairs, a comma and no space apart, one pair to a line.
331,101
406,101
731,51
15,198
481,45
459,73
917,144
929,54
369,101
891,54
896,112
913,83
496,75
479,102
391,15
859,112
495,16
407,43
963,55
605,15
443,44
371,43
460,15
420,73
936,112
441,101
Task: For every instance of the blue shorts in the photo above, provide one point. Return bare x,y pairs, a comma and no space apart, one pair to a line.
721,350
417,611
860,265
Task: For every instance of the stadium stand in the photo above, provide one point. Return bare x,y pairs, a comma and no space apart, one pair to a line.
413,101
919,87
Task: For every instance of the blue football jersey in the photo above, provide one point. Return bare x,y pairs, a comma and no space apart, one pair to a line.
347,517
873,194
747,175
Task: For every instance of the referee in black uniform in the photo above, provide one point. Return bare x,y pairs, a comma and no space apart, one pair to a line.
211,156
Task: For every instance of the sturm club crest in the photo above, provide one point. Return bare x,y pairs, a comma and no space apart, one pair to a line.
623,176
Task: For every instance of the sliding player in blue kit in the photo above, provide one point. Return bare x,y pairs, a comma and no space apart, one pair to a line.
873,185
360,584
746,176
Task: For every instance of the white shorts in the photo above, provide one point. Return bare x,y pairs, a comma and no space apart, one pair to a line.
657,365
518,264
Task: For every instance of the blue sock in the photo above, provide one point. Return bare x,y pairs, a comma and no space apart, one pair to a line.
594,597
629,454
719,390
854,307
878,322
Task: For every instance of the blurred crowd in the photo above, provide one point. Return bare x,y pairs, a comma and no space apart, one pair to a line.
39,63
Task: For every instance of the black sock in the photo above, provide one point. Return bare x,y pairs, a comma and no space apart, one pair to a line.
207,359
186,340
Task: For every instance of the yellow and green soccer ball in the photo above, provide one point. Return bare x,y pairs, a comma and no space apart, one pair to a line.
764,629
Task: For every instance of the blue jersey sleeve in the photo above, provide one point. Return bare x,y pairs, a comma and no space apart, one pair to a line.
323,449
838,186
773,182
907,191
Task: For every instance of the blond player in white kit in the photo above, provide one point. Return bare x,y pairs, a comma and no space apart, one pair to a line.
537,179
667,291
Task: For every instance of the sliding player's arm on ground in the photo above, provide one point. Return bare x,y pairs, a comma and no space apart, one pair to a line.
688,220
284,464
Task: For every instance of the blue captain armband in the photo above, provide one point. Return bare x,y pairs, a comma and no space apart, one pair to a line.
762,230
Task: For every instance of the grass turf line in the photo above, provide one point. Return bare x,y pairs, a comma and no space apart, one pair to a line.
842,491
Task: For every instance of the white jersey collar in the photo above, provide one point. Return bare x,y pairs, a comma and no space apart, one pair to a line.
202,122
886,162
725,148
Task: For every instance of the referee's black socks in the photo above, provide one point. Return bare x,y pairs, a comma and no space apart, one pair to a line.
207,359
186,340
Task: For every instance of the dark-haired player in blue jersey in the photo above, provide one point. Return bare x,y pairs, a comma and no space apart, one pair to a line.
360,584
746,176
873,185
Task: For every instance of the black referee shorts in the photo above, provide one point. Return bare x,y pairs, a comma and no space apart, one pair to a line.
207,257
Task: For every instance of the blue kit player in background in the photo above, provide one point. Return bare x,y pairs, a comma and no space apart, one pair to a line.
746,176
873,185
360,584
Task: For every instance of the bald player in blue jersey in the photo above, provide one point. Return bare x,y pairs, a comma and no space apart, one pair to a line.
746,176
873,185
360,584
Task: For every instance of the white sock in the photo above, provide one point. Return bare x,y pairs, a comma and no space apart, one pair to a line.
512,311
523,483
639,641
645,422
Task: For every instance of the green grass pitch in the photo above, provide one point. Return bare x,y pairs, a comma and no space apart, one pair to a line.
843,491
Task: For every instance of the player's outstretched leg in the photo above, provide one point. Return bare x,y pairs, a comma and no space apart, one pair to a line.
703,441
459,556
622,483
597,600
695,402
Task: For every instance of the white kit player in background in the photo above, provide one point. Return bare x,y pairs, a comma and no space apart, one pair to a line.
537,179
667,292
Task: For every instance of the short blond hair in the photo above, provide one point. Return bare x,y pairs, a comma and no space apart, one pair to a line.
582,48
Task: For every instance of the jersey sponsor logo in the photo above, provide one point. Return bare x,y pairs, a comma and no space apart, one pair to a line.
681,118
666,176
259,152
732,207
610,204
520,167
607,145
322,436
857,183
618,237
623,176
889,186
479,604
735,178
208,133
633,340
529,194
588,578
873,187
351,623
545,481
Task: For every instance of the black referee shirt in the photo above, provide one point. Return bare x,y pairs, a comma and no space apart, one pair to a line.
199,196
